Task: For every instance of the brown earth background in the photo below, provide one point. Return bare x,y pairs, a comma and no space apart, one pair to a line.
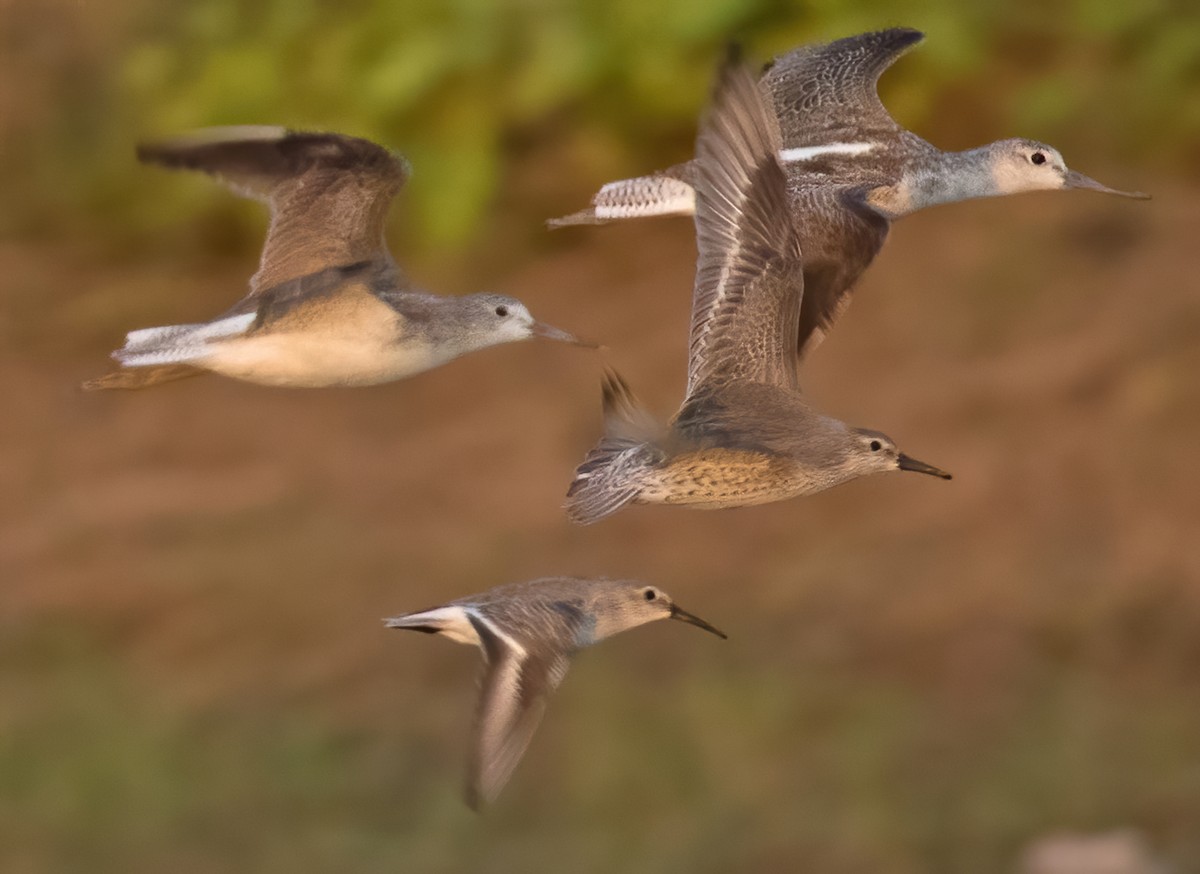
921,676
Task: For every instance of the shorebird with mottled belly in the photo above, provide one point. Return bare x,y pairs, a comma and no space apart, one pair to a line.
527,633
851,169
744,434
328,305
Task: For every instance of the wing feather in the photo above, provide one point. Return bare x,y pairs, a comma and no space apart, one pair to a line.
328,193
516,685
749,280
827,93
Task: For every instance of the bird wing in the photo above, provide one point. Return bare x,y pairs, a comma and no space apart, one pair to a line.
625,418
841,236
328,193
826,94
749,280
516,684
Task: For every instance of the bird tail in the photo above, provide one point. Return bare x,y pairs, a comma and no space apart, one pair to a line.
451,620
601,485
141,377
174,344
610,475
168,353
659,194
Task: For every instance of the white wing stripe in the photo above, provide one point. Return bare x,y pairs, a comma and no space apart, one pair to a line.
807,153
510,642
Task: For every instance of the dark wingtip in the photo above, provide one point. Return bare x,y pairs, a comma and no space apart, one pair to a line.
613,388
902,37
153,153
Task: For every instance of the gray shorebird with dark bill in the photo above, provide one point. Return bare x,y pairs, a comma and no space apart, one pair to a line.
528,633
328,305
851,168
744,434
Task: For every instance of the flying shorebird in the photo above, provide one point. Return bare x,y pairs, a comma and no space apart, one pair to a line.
528,633
744,434
328,305
851,169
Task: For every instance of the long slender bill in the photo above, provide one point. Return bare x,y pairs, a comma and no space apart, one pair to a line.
907,462
1078,180
541,329
684,616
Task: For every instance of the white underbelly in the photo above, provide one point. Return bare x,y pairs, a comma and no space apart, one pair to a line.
308,361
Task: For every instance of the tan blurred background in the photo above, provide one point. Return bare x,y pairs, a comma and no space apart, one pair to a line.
921,676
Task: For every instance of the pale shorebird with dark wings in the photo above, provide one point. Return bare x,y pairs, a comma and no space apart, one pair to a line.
528,633
328,306
851,169
744,434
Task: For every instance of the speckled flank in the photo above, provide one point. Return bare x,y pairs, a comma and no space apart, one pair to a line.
715,478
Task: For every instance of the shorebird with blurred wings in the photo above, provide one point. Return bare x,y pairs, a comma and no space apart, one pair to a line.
527,633
851,169
328,305
744,434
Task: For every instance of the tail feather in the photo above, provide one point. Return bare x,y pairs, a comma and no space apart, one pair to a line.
583,217
163,356
423,627
624,415
450,620
153,339
147,338
611,474
602,484
141,377
177,344
664,193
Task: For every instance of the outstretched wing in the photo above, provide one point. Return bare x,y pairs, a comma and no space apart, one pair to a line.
825,95
329,194
516,684
749,275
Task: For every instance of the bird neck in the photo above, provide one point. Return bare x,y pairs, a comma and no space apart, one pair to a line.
949,178
934,178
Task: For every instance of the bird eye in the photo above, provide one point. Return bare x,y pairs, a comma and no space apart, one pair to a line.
876,445
1038,158
650,595
502,310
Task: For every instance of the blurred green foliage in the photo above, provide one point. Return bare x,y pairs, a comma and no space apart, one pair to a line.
466,88
103,778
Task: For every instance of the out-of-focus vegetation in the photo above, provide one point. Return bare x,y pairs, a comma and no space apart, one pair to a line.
467,87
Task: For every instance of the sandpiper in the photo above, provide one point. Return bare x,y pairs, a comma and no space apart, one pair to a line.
528,633
744,434
851,168
328,305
